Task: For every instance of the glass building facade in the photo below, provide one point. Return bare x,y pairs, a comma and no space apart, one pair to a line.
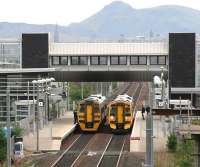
198,62
10,54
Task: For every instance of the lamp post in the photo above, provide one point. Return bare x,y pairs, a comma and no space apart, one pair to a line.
82,90
38,83
8,128
149,132
162,91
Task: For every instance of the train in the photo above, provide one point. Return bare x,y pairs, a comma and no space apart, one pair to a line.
91,112
120,115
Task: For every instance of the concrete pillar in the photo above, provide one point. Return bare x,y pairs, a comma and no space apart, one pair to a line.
196,150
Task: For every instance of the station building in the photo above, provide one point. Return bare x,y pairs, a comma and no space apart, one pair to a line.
34,56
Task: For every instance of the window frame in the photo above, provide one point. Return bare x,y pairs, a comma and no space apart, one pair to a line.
156,60
103,63
138,59
71,57
134,57
94,57
99,60
61,60
164,59
141,57
53,62
118,60
111,63
79,60
79,63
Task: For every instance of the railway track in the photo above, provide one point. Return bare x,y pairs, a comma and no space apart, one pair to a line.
74,151
111,156
99,149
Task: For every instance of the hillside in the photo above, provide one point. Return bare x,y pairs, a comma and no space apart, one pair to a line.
117,20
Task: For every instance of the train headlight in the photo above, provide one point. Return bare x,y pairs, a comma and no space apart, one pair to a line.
126,118
112,118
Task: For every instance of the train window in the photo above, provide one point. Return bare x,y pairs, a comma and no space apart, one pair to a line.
113,111
127,110
82,109
63,60
142,60
96,109
161,60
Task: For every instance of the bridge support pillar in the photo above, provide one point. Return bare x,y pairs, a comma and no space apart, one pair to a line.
196,150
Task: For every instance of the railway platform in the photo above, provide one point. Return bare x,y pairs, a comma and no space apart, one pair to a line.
161,130
50,137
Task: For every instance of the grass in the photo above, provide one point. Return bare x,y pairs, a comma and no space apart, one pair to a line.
195,122
164,159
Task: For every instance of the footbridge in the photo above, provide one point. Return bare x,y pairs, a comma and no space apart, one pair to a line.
136,61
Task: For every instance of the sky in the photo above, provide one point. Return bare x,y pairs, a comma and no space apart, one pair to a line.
64,12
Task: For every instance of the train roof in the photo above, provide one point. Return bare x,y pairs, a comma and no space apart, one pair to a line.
96,97
124,98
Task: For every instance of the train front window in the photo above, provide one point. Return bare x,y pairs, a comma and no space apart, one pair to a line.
82,109
96,108
127,110
113,111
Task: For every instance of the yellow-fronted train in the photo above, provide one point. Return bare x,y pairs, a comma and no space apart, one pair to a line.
91,112
120,115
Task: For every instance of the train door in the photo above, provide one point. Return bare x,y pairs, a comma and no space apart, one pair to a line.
120,116
89,116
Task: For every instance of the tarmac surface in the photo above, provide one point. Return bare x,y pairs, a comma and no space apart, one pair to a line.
161,130
50,136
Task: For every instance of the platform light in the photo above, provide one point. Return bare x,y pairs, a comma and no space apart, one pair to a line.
52,79
48,80
34,81
41,88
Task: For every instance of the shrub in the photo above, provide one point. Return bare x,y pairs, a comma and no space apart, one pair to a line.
172,142
184,156
3,146
17,131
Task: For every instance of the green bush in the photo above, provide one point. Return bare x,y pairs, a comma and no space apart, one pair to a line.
17,131
184,156
3,146
75,91
196,122
172,142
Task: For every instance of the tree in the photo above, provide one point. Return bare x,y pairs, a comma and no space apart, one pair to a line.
3,146
75,91
172,142
17,132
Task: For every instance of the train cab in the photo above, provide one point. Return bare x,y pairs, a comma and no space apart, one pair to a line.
120,115
91,112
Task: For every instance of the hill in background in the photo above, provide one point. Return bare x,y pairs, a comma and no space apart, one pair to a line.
116,21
